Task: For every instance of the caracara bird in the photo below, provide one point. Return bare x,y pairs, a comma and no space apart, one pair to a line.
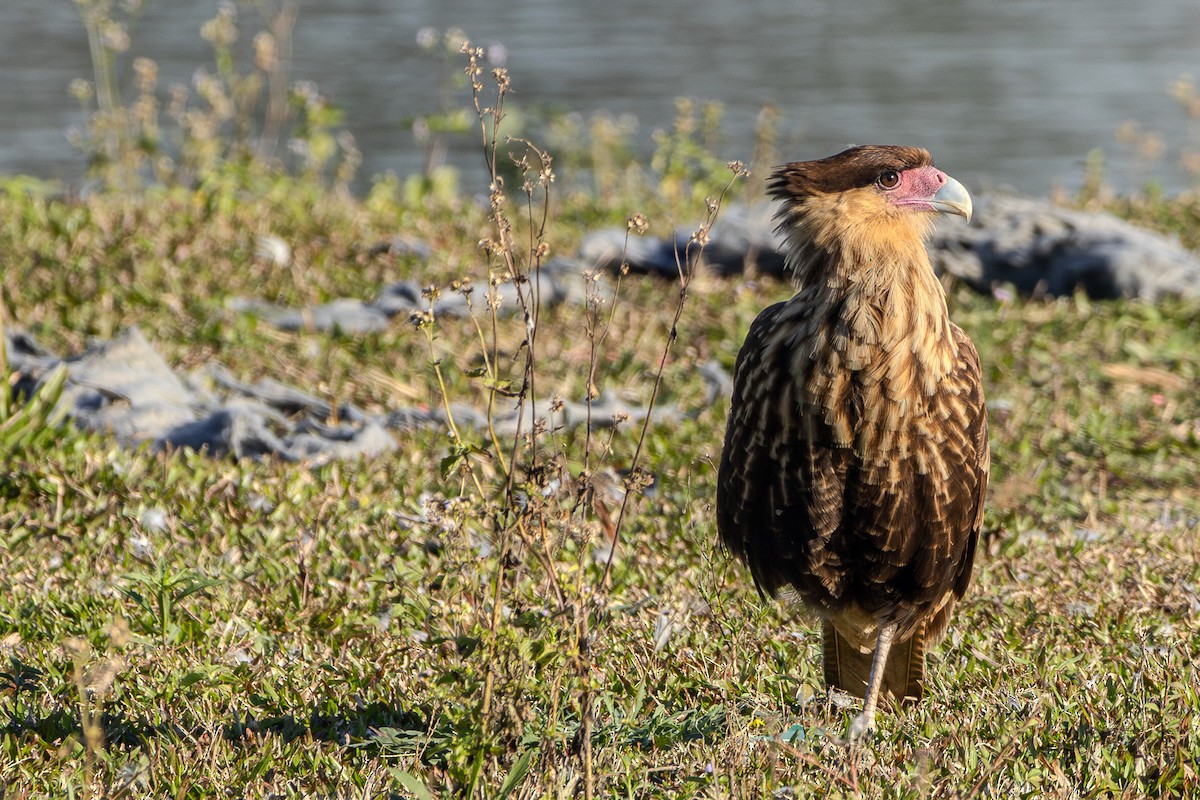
856,455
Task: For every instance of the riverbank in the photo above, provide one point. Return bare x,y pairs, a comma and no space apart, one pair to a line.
470,607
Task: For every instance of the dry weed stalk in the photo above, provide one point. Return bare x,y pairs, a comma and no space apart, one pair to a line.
531,502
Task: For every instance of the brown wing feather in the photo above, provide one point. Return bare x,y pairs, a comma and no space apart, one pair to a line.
781,483
973,455
894,529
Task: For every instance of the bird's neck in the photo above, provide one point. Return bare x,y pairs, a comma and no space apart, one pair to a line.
883,299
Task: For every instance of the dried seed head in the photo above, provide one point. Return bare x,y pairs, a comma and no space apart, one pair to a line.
427,38
147,74
637,224
119,634
266,52
78,648
115,36
638,479
81,90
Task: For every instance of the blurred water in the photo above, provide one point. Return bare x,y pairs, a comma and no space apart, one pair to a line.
1004,92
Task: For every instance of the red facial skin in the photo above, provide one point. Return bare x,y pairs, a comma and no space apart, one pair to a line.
918,186
926,189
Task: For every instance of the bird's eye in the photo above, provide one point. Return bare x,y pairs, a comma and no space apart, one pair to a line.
888,179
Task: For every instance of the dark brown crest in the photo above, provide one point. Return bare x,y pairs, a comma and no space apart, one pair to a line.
849,169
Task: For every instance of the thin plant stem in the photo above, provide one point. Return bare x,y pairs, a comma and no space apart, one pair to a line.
687,270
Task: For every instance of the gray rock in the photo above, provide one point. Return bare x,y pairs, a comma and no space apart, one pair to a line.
742,236
608,248
1042,248
346,315
125,388
1037,247
559,281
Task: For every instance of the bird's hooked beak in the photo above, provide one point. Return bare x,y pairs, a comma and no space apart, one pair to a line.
952,198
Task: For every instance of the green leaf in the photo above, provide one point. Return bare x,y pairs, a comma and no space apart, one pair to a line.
412,783
794,733
451,462
196,586
191,678
501,386
29,424
516,775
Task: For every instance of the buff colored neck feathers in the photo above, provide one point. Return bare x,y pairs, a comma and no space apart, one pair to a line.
854,252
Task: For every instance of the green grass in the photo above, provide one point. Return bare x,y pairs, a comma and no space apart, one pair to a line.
176,625
443,621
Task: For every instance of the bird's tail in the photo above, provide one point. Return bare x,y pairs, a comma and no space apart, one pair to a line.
848,669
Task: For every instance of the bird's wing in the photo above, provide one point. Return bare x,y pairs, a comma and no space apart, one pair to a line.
972,379
967,447
781,483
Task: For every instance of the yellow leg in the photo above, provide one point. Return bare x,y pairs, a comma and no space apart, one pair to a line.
864,723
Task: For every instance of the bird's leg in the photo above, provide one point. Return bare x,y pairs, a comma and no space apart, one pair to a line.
864,723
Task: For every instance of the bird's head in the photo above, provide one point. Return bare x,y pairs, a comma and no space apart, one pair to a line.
864,201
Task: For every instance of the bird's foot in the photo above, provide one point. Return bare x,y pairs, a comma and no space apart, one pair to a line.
860,728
